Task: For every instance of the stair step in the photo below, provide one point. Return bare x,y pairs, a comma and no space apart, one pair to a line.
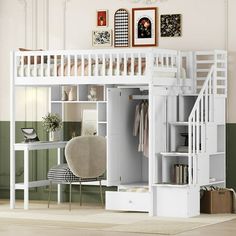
184,123
179,123
205,61
203,70
189,94
174,154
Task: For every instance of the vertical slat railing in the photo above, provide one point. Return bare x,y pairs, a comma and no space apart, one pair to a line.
125,64
22,66
132,64
62,65
201,113
76,58
139,64
82,65
103,65
68,73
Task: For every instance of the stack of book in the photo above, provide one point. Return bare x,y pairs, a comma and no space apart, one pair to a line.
180,174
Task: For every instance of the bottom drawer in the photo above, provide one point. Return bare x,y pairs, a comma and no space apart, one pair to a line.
127,201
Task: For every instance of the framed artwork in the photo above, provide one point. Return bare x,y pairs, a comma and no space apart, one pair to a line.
102,18
144,27
121,28
102,38
171,25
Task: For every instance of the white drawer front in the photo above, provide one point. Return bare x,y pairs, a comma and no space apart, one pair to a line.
127,201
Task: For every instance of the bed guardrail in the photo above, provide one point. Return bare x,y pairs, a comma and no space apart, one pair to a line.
90,63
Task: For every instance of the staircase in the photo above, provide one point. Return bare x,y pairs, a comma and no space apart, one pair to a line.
205,129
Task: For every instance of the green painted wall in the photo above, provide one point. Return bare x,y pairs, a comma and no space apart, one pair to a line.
231,155
40,162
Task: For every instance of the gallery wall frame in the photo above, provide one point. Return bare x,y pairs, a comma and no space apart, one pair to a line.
102,18
171,25
144,27
102,38
121,28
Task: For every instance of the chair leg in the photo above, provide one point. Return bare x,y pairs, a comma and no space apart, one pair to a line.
80,193
100,183
70,197
49,193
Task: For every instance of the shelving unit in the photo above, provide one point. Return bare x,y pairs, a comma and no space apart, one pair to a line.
60,103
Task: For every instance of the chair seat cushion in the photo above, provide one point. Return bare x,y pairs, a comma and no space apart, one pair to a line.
62,173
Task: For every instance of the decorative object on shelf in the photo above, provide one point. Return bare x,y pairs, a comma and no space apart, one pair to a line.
102,18
92,94
180,173
121,28
52,123
30,135
89,122
72,94
144,27
102,38
64,96
171,25
185,135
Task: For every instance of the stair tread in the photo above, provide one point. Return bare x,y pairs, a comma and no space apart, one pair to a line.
184,154
179,123
190,94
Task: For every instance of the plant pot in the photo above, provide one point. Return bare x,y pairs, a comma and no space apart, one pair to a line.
55,135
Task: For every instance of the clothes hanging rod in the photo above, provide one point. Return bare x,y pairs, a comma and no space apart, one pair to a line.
140,87
138,97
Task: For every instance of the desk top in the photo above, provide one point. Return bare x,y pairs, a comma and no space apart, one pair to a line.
40,145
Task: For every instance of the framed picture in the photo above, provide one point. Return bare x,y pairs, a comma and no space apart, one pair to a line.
171,25
102,18
102,38
144,27
121,28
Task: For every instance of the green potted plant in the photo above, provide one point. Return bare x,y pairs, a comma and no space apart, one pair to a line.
52,123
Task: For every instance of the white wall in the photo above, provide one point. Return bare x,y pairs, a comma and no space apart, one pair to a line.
59,24
232,61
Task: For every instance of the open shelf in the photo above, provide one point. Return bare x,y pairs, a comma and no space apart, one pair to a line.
174,154
170,185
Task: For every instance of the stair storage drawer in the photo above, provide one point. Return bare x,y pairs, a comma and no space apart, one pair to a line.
127,201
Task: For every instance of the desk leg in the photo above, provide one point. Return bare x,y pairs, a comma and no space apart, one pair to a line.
12,179
59,190
26,179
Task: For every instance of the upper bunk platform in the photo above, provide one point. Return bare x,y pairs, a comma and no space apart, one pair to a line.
102,66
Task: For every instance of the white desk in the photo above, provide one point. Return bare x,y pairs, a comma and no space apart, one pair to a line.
26,147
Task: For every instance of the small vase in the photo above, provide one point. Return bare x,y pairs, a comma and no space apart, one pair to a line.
64,96
54,135
72,95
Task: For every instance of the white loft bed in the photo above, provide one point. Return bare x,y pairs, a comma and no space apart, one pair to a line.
162,72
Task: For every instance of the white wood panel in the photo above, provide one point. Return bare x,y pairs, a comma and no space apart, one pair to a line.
128,201
178,202
113,137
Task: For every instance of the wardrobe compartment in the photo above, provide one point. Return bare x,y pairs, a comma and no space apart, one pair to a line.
127,168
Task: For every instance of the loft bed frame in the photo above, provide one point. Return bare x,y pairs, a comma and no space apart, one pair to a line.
160,70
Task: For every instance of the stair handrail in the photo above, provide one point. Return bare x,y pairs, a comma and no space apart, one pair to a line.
202,113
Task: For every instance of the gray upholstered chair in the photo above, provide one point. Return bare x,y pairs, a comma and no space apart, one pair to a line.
86,162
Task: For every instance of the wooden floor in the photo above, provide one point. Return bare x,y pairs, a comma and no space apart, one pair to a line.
26,228
7,229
